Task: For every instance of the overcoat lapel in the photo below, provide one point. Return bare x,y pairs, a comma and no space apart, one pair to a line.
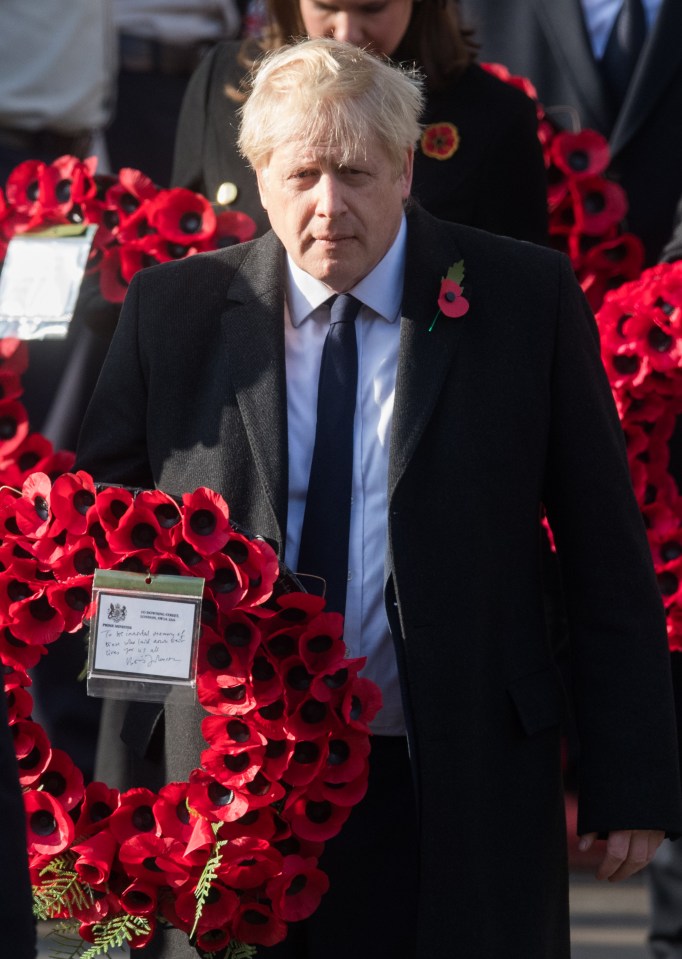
424,357
253,331
659,62
565,28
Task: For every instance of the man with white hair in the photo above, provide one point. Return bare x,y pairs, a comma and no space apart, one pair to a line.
477,397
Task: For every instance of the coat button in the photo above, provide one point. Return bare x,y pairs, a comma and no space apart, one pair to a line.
227,193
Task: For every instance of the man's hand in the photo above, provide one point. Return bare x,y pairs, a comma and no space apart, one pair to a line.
627,851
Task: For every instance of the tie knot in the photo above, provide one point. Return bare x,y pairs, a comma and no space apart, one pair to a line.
344,308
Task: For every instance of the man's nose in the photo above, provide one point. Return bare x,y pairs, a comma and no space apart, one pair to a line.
347,29
330,201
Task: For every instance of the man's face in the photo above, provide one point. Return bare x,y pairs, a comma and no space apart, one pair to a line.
335,221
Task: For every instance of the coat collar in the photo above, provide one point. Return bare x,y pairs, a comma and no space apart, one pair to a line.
253,339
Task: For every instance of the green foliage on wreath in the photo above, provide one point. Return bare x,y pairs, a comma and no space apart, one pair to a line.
61,889
115,932
208,874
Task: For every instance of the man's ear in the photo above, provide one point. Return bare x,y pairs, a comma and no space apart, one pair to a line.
262,178
406,175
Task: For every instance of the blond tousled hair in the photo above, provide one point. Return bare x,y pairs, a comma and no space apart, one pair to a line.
330,95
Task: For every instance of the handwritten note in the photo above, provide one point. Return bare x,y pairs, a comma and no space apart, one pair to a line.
144,635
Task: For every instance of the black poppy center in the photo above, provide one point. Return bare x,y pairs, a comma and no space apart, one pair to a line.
203,522
43,823
143,535
143,818
578,160
238,731
8,427
190,222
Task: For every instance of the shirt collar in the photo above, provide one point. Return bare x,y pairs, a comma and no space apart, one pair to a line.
381,290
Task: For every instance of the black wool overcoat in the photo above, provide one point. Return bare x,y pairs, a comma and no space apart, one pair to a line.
496,413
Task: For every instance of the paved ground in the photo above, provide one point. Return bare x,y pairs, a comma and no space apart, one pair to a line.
608,921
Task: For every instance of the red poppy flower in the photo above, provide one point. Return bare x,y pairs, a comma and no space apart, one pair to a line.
72,500
182,216
95,857
277,757
13,355
65,187
72,600
233,226
317,821
99,804
19,701
140,898
297,892
227,585
152,858
600,205
582,154
31,456
248,862
35,620
234,769
440,140
62,779
348,793
361,703
13,426
217,910
50,829
321,645
77,559
213,801
126,195
221,694
134,815
33,750
139,529
33,510
205,521
255,924
23,187
450,300
334,683
10,385
265,680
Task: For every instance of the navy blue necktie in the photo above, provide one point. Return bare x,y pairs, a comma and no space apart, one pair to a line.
326,523
623,49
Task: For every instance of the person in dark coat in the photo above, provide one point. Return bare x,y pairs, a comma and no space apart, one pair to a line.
479,161
561,51
464,427
18,935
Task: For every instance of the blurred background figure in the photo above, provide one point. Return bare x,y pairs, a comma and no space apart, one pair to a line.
18,936
56,81
612,66
160,44
479,160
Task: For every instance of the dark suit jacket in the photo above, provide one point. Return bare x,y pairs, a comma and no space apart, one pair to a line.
495,413
495,180
546,41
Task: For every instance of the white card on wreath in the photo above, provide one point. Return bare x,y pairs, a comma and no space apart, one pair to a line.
40,281
144,635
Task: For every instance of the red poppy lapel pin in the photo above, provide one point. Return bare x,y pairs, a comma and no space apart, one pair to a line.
450,300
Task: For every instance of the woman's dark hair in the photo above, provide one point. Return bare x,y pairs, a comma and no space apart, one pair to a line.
435,39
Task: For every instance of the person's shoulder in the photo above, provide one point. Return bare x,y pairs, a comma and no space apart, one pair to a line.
481,83
204,271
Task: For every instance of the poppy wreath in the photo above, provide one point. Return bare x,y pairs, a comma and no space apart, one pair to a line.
138,223
586,209
640,326
230,856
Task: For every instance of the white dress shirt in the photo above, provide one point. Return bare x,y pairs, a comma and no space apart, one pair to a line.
378,333
600,16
